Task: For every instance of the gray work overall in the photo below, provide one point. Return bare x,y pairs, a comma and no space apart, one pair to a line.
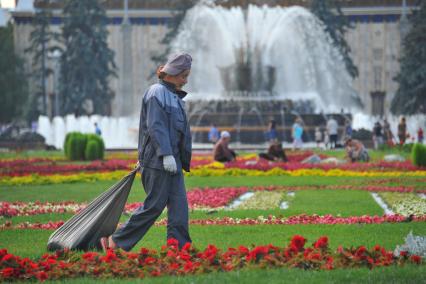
163,131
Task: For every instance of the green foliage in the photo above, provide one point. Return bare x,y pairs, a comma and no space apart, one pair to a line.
66,146
92,150
76,146
418,155
87,62
362,134
406,148
100,147
79,146
40,38
13,87
336,25
410,97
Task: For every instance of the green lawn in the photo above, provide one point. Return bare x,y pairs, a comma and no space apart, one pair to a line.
32,243
336,202
84,192
345,203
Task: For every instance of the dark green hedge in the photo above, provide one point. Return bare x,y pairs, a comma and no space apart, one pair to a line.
79,146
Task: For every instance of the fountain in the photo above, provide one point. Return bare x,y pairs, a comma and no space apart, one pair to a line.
250,65
259,63
261,52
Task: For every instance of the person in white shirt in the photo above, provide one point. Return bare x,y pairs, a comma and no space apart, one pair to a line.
318,136
332,128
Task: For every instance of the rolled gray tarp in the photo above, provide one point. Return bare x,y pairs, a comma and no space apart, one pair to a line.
99,219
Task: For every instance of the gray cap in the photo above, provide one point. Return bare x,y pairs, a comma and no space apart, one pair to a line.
177,63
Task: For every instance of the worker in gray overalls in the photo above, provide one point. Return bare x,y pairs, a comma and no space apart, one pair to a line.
164,150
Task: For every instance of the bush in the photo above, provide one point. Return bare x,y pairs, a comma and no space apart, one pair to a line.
76,146
92,150
406,147
100,146
362,134
418,155
67,143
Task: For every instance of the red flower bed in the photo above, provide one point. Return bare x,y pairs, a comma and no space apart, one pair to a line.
270,220
213,197
48,167
52,167
171,260
197,198
263,165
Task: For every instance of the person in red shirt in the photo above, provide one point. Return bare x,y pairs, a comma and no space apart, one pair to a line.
420,135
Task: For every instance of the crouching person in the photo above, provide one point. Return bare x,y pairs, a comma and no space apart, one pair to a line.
356,151
221,151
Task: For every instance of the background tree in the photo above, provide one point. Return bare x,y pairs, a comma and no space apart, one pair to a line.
410,97
87,62
13,88
40,38
336,25
181,7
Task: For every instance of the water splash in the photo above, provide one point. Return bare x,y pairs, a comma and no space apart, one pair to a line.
292,40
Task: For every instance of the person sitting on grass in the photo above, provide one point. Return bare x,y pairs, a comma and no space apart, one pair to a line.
275,152
356,151
221,151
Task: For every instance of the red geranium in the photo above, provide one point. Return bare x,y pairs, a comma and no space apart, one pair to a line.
7,272
7,257
321,243
172,242
360,252
297,242
149,260
416,259
42,275
89,256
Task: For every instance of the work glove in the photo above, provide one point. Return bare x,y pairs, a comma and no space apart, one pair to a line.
137,165
169,164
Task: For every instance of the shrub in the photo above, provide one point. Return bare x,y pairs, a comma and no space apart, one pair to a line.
418,155
77,145
100,145
67,143
92,150
362,134
407,147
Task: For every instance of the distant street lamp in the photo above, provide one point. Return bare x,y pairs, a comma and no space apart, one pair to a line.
55,55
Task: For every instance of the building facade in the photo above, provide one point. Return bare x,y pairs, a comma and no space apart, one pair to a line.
375,41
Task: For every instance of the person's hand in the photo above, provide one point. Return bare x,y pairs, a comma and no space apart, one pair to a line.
169,164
